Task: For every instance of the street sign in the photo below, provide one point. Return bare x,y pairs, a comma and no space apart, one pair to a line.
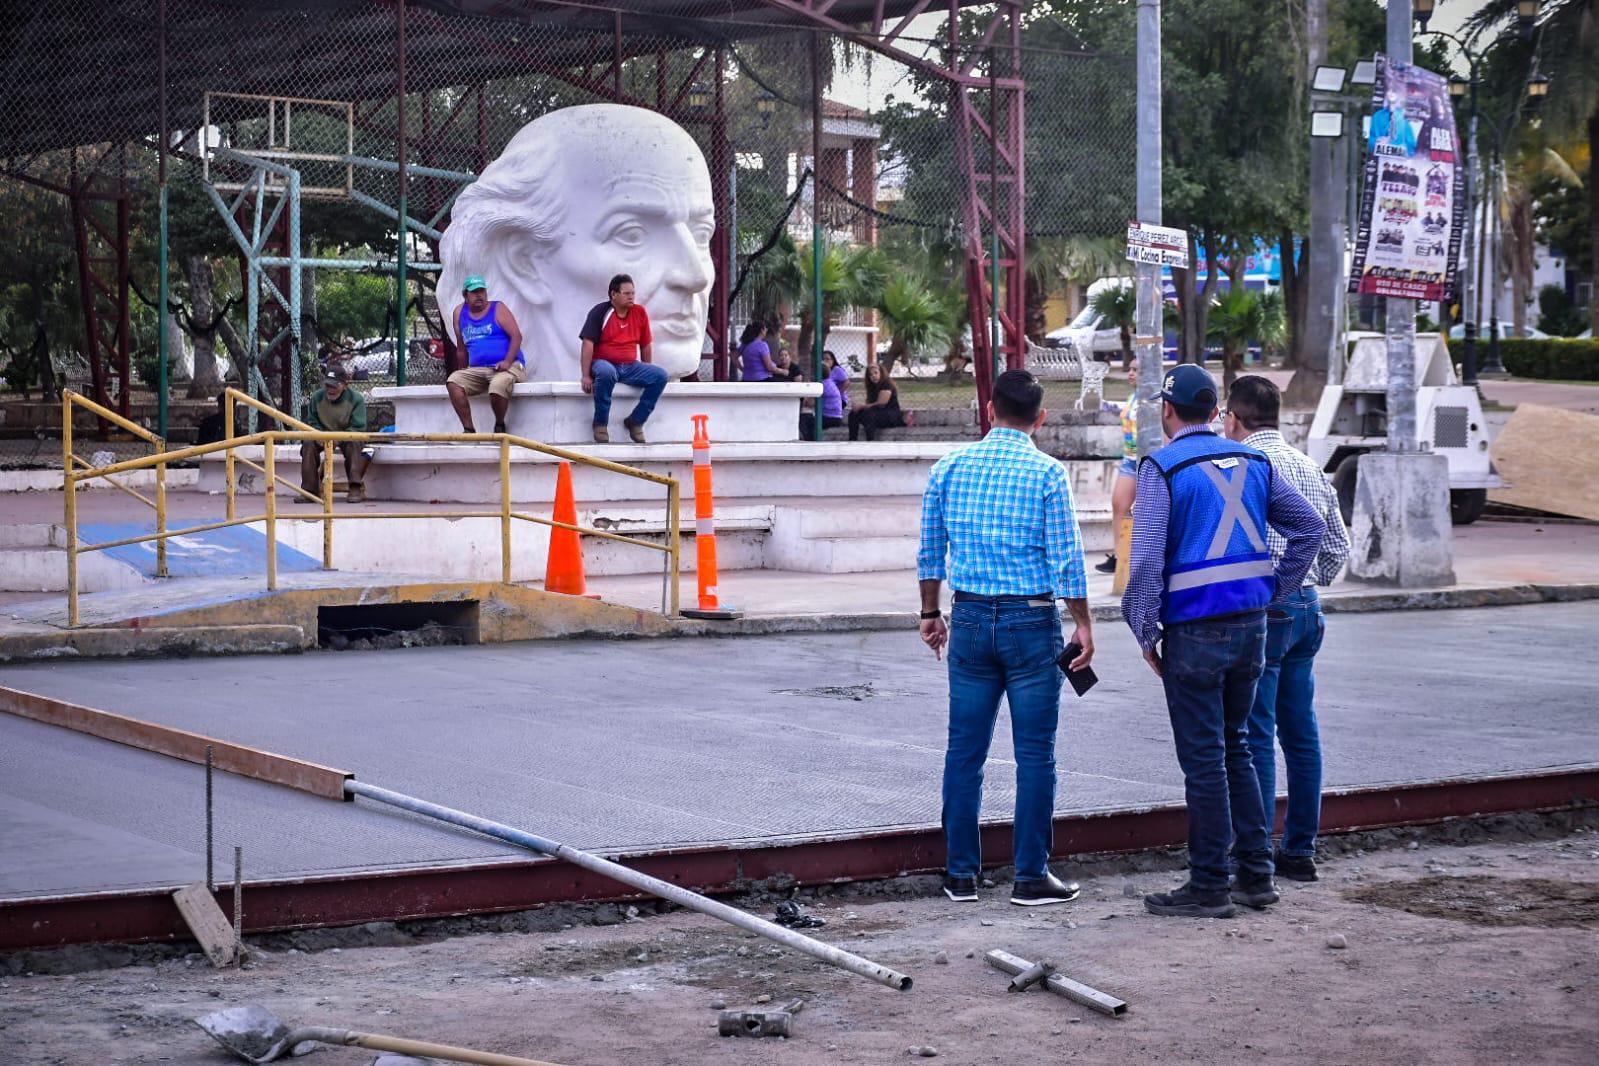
1161,245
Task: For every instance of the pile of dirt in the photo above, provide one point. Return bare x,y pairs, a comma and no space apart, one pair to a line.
1499,901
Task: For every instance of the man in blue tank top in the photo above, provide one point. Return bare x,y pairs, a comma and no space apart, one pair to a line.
488,333
1200,579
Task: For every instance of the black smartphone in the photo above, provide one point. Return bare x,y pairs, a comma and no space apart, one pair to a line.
1082,680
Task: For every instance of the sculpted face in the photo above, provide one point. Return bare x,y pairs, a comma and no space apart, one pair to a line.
578,196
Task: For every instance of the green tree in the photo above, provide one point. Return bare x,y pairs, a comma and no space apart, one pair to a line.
916,318
1119,306
851,276
1241,316
1565,45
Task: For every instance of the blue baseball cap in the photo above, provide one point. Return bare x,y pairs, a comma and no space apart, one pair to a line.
1189,385
473,281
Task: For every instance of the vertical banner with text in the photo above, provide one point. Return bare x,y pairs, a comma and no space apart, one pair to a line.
1412,209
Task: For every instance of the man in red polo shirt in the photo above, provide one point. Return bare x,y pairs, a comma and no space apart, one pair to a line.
616,347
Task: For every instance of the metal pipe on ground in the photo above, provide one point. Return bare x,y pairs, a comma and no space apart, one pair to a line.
1076,991
643,882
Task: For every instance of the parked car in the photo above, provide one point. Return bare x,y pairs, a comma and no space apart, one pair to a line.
1506,332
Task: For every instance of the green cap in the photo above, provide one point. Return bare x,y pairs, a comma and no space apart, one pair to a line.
473,282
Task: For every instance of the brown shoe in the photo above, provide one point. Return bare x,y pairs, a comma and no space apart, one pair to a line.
602,434
357,494
634,430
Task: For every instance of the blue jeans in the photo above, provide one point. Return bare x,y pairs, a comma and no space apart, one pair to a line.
1211,668
1002,649
647,376
1285,711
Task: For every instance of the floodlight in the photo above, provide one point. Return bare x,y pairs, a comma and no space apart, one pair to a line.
1365,73
1328,79
1327,124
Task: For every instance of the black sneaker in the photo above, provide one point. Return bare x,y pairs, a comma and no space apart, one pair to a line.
1185,902
1295,867
1043,891
960,889
1256,892
1108,566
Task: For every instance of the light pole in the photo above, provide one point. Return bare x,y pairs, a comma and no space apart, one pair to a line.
1330,132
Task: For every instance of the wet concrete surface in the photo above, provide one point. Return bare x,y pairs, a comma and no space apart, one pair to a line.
625,746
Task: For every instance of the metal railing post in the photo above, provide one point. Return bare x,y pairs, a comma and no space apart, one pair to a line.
227,429
326,448
161,518
505,509
674,539
70,518
271,512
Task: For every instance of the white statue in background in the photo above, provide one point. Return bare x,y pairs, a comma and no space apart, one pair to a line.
577,196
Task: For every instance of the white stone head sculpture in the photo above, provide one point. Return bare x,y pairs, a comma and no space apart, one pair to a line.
577,196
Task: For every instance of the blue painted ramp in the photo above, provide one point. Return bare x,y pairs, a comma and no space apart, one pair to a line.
237,551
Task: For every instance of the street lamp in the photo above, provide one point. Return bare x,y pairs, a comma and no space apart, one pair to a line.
1422,10
699,97
766,107
1537,89
1458,85
1527,17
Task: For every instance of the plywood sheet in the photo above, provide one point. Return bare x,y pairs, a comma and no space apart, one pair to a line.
1550,458
207,922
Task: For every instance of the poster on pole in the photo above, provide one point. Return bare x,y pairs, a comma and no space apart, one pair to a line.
1412,207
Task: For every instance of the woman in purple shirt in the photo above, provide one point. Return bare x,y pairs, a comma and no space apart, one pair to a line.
838,377
755,353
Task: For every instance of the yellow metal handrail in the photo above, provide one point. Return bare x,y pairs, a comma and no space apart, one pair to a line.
303,432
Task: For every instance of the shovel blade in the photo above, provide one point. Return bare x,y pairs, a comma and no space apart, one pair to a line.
251,1032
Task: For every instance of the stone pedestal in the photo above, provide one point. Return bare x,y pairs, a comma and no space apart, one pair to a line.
1401,534
560,412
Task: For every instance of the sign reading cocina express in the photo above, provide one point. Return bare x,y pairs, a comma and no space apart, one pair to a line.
1160,245
1412,210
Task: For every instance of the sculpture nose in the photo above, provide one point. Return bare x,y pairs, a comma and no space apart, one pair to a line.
689,268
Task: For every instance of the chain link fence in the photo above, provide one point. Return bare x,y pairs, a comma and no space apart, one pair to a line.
283,187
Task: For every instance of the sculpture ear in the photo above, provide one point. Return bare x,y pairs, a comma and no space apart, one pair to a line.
518,259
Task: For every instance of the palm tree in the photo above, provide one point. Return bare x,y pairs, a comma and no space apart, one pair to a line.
852,276
1567,50
1052,261
1118,305
1241,316
916,319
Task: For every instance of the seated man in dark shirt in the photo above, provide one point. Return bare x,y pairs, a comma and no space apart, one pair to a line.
616,347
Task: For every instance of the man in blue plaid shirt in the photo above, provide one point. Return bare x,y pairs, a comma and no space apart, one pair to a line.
999,513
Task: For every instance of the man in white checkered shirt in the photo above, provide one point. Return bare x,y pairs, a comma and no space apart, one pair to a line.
1285,695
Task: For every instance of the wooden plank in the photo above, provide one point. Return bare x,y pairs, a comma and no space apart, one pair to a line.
1550,458
207,922
324,781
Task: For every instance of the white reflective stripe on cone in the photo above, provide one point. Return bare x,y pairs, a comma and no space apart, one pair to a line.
705,527
702,457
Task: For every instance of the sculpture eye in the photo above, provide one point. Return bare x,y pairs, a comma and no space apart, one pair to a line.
629,234
703,233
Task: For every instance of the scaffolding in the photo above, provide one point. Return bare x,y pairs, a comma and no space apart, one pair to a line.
415,75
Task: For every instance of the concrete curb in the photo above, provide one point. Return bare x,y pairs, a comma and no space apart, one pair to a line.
1351,603
259,639
164,642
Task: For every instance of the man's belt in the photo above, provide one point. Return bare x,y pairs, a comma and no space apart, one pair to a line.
1037,599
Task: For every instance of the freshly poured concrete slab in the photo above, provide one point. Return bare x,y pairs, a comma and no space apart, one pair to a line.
628,746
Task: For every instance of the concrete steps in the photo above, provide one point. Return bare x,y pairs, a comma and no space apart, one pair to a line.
44,569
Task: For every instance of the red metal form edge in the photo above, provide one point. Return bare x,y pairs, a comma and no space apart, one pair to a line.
486,888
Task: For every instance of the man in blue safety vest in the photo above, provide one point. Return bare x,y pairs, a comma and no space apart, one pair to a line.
1200,579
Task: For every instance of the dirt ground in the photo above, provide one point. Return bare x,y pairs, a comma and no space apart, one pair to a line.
1482,950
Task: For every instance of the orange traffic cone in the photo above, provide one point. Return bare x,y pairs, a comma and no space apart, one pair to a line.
705,529
564,571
